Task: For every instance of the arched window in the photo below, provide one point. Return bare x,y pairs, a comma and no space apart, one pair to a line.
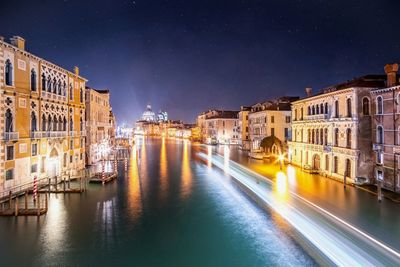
322,108
327,162
64,124
301,113
317,109
60,123
33,122
81,125
59,87
348,138
54,86
49,124
71,96
379,134
33,80
44,123
335,164
81,95
379,105
326,136
336,137
313,110
326,108
312,137
49,84
9,72
64,89
317,136
9,121
336,109
365,106
295,114
43,82
309,110
321,136
348,168
309,136
348,104
71,124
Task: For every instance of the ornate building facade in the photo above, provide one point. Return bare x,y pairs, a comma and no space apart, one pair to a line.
332,129
243,128
100,125
41,117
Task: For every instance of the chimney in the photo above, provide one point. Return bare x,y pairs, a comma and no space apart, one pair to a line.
76,70
18,42
391,72
308,91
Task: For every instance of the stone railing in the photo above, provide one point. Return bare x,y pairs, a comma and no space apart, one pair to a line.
9,136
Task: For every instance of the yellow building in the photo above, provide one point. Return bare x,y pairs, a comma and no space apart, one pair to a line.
42,110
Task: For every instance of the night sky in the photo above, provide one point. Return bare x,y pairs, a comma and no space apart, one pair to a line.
187,56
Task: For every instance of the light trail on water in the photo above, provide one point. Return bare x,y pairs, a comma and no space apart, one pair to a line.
341,243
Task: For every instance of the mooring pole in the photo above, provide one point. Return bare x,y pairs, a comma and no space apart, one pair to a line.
46,202
26,199
16,206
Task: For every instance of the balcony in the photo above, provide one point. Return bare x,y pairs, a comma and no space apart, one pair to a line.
317,117
377,147
10,136
48,134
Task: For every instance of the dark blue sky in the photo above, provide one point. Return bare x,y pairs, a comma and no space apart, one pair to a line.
188,56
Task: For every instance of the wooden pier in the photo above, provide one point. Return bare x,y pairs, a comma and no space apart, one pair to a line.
25,205
98,179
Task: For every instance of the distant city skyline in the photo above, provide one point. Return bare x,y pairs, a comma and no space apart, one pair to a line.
187,57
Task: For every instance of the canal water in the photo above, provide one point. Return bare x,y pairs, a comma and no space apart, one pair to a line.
169,208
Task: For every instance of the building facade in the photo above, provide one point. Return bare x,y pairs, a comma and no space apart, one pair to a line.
270,118
332,129
385,110
42,117
99,125
221,128
243,128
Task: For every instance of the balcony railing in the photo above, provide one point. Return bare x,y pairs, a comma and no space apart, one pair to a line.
317,117
73,133
48,134
9,136
377,147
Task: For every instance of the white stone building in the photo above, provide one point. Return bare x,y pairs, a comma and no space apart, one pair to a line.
330,133
222,128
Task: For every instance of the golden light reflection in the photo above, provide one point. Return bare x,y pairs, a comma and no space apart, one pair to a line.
291,174
163,169
281,184
186,171
134,192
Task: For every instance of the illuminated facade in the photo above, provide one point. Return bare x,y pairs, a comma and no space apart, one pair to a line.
270,118
222,128
384,109
332,129
100,125
42,117
243,128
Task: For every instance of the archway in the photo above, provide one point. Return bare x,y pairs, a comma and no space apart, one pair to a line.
53,163
316,162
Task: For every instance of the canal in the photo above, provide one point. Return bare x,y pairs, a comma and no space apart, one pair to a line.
170,208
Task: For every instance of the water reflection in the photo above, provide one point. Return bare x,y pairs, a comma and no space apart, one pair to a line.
107,221
163,170
186,172
134,192
53,236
